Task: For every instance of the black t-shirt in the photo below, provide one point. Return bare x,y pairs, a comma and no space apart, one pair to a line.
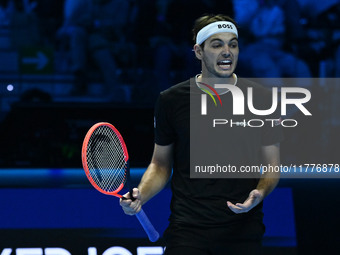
203,201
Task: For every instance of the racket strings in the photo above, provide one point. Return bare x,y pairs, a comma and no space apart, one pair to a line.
106,159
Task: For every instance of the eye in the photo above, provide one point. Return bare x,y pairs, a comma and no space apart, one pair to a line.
216,45
233,45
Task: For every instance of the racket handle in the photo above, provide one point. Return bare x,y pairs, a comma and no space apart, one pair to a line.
148,227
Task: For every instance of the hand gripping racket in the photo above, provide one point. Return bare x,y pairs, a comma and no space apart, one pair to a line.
106,163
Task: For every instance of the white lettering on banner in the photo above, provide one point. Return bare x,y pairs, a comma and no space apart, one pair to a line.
150,250
56,251
92,251
6,251
29,251
116,250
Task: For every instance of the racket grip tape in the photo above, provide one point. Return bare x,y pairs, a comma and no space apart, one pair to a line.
148,227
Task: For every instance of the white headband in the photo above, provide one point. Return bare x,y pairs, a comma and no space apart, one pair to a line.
214,28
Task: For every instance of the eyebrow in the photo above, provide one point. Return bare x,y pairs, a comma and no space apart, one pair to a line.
220,40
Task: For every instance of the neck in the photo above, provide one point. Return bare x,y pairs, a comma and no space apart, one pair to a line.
200,79
214,80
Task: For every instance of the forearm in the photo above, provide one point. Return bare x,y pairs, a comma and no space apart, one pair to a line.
270,179
153,181
267,183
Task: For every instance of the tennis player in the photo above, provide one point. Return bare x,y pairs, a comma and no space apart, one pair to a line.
209,216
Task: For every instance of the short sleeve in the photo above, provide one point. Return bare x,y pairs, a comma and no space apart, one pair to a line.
164,132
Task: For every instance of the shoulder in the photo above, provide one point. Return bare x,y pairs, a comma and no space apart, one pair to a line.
180,88
176,92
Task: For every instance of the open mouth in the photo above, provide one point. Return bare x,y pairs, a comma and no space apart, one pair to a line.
225,64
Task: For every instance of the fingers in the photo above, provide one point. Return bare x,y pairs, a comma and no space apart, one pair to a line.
131,207
136,193
254,198
242,207
237,208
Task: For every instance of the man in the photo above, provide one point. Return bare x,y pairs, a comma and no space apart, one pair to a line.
209,216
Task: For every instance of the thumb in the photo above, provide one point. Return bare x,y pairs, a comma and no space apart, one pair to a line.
135,193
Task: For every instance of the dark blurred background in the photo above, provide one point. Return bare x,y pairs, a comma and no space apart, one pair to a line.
65,65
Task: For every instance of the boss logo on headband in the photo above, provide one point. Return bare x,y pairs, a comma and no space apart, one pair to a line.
225,26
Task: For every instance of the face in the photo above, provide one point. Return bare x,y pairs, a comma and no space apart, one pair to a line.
219,56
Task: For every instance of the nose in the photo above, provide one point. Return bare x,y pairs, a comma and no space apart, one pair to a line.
225,55
226,51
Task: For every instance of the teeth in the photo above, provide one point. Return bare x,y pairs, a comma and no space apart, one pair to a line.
225,62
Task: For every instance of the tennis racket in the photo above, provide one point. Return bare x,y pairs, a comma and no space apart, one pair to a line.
106,163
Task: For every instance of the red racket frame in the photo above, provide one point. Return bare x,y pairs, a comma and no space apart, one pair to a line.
84,157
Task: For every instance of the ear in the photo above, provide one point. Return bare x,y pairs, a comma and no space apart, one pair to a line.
198,51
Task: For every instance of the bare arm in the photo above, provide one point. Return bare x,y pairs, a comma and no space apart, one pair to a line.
157,174
269,180
267,183
153,181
